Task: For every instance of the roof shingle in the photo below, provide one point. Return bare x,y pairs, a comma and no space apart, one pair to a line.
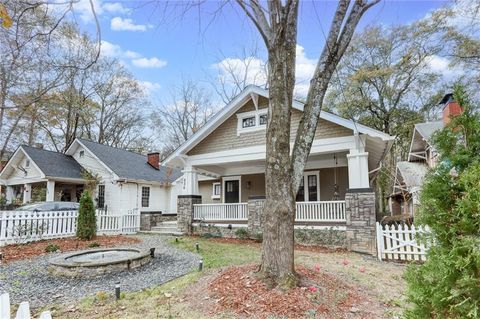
54,164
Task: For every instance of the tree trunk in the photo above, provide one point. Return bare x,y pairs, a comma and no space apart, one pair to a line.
279,213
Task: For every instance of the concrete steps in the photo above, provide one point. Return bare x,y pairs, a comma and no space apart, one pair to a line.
166,228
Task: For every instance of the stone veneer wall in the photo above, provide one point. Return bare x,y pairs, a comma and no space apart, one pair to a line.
185,211
255,213
361,218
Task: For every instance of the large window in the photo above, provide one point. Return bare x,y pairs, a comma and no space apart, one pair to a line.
101,196
145,196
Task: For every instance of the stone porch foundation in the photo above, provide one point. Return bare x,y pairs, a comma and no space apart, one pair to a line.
361,218
185,212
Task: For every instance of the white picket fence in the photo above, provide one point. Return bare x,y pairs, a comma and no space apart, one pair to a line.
322,211
23,311
399,242
212,212
26,226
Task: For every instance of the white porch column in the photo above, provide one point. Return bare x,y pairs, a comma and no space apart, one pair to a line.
50,191
9,194
191,181
27,193
358,166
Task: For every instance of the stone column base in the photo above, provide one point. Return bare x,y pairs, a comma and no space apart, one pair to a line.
361,218
185,211
255,214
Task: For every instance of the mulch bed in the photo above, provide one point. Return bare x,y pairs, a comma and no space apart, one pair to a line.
238,290
37,248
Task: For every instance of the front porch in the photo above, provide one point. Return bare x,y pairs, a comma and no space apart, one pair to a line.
26,191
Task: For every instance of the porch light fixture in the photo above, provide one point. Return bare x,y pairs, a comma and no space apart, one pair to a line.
249,184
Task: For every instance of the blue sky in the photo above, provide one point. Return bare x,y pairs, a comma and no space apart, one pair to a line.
160,48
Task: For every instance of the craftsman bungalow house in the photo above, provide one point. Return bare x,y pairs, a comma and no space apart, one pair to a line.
127,180
422,156
224,161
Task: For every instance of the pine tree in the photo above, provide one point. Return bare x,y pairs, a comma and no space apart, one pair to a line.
447,285
86,222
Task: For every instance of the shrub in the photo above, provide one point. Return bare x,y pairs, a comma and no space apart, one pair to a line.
242,233
51,248
447,284
86,223
258,237
93,245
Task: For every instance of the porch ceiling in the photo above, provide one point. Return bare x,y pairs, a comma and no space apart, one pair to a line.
315,161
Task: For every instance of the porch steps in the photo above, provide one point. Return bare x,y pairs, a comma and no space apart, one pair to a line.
166,228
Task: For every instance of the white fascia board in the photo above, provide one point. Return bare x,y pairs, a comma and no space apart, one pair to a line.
21,181
253,153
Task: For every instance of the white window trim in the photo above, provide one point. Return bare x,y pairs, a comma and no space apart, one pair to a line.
215,196
149,195
232,178
305,185
256,127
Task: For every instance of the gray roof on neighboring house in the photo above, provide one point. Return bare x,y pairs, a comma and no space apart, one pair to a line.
427,129
130,165
413,173
54,164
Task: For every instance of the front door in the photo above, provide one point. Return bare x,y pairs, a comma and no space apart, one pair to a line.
232,191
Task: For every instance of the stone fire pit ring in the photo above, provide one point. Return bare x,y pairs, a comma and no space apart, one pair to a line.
96,262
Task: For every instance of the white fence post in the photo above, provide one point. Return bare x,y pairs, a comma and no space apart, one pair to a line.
23,311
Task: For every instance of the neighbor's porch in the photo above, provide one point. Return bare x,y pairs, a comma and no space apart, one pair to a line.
68,190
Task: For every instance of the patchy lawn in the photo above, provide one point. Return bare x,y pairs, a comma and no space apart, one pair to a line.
341,285
37,248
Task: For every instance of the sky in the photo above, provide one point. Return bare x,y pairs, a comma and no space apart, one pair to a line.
161,45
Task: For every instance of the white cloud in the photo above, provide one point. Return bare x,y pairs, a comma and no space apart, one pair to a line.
442,65
150,87
304,69
149,63
132,54
84,10
255,71
120,24
115,7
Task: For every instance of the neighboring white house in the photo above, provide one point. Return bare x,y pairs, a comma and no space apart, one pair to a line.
224,161
127,180
410,174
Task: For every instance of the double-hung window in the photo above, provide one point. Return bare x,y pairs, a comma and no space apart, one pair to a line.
145,196
216,190
101,196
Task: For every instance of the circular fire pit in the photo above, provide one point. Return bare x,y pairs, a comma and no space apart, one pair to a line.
96,262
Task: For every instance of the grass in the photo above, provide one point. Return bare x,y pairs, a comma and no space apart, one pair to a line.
184,296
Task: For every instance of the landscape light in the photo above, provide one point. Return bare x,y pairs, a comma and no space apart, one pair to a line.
117,290
152,252
200,265
197,246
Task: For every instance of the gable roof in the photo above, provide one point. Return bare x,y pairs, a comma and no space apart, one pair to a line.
246,95
427,129
53,164
412,173
129,165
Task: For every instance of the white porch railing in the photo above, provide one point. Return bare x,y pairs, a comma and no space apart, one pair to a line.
26,226
235,211
323,211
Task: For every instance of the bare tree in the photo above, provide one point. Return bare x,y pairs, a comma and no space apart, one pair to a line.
277,24
237,72
189,109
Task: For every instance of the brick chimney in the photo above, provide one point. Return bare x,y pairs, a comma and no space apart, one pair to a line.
154,160
450,109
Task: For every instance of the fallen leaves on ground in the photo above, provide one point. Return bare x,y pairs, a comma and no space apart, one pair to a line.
238,289
33,249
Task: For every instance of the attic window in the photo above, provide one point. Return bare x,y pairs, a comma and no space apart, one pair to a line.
251,121
248,122
27,163
82,154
